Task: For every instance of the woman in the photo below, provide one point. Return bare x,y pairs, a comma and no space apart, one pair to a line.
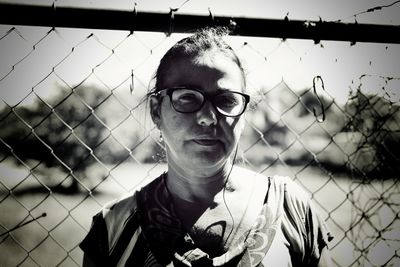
204,211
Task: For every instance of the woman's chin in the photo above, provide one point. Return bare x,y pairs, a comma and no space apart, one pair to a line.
208,160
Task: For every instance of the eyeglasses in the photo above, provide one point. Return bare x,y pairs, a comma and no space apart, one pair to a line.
190,100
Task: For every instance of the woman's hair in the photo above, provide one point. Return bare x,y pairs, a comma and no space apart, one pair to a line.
203,40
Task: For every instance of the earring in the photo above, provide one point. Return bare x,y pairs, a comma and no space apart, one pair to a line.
161,137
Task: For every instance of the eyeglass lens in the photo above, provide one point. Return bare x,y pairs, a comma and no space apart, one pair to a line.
189,100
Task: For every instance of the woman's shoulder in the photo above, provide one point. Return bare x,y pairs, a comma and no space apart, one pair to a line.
244,177
291,187
295,198
277,188
126,205
123,204
108,224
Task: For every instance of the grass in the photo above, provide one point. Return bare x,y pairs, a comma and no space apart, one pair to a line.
53,240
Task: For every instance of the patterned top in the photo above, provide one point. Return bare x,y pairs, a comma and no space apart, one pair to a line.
143,230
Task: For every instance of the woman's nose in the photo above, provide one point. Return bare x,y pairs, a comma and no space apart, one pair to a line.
207,115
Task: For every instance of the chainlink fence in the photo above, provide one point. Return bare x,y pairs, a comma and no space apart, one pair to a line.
75,134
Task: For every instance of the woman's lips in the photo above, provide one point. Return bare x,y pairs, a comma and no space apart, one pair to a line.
206,142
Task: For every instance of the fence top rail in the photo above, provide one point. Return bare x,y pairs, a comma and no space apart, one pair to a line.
71,17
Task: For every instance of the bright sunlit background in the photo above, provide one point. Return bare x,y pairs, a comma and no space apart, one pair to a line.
340,64
72,136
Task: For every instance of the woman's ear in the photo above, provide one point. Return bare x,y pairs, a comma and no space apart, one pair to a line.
155,108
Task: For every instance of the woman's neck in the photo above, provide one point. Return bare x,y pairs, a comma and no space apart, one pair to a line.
191,187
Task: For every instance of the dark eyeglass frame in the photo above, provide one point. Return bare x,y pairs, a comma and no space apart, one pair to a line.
210,97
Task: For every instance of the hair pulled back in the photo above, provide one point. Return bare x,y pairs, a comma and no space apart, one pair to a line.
203,40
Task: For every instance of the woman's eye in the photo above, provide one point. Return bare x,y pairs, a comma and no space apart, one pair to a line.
186,98
227,101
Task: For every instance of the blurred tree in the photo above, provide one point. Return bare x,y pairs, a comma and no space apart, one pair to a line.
64,131
378,122
280,112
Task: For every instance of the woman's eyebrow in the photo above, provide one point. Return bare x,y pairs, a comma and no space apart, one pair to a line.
191,86
199,88
217,92
224,90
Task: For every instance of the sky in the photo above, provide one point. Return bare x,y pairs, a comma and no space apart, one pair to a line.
269,60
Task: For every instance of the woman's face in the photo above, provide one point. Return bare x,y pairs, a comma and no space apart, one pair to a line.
202,141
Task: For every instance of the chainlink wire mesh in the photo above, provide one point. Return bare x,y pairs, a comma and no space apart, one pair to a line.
75,135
